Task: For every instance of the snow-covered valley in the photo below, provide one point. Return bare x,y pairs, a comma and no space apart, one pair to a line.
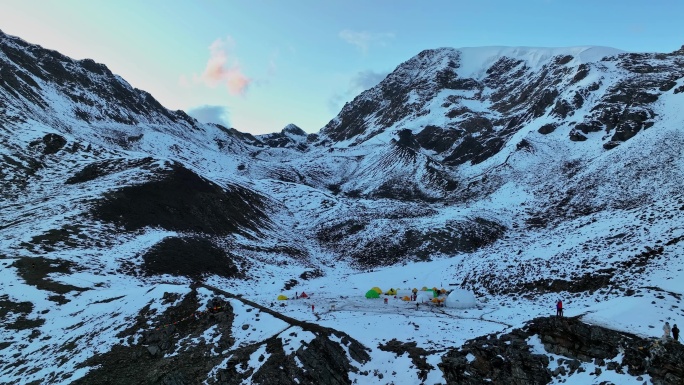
477,169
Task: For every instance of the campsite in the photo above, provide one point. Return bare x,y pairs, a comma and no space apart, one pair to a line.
446,325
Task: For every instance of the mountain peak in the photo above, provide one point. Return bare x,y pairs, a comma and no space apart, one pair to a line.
464,104
293,129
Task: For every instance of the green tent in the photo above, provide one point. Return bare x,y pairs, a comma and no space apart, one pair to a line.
372,294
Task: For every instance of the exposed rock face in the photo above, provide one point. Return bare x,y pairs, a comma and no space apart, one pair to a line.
416,354
112,98
510,358
515,90
161,356
190,257
322,361
453,237
106,167
164,355
53,143
183,201
291,137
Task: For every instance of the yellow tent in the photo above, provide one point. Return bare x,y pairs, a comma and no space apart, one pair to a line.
391,292
443,291
282,297
424,288
377,289
438,300
405,298
435,289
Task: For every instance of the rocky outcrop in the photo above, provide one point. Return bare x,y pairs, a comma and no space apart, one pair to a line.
191,257
162,354
102,168
410,243
417,354
319,361
177,351
52,143
183,201
326,359
514,358
291,137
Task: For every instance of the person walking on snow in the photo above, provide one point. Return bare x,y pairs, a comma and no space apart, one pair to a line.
312,308
675,332
559,308
666,332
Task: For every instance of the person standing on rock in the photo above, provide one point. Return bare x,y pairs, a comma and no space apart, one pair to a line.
559,308
675,332
666,332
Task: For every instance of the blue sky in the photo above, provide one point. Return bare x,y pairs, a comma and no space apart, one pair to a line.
260,65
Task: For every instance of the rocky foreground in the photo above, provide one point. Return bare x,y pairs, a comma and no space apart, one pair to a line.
544,350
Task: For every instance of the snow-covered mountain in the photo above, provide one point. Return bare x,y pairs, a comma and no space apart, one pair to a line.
141,246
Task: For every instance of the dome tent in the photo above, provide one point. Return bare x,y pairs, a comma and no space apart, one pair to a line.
377,289
282,297
461,299
372,294
303,295
424,296
391,291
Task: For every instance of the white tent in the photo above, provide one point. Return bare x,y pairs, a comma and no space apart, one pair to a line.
461,299
424,296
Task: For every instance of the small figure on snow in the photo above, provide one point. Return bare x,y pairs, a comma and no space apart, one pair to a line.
675,332
559,308
666,332
312,308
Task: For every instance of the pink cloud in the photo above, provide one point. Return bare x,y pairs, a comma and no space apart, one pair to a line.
222,68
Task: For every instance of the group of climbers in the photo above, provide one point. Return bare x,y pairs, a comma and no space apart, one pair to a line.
667,330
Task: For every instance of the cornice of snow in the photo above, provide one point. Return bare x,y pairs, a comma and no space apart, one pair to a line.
475,60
